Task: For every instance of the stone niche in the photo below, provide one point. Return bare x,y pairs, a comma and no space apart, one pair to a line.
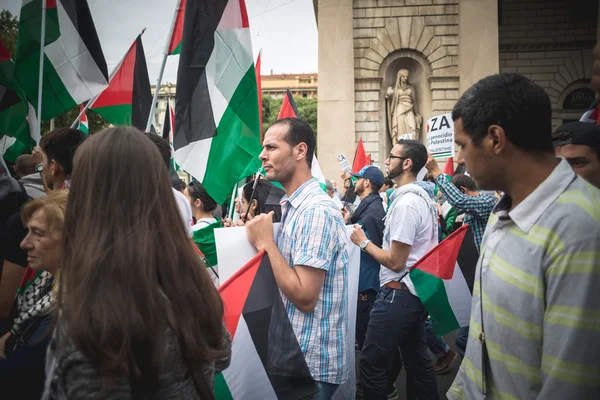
419,73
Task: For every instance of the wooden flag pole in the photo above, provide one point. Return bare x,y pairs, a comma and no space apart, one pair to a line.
38,128
162,69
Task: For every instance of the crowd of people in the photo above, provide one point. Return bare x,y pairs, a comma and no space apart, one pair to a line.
97,280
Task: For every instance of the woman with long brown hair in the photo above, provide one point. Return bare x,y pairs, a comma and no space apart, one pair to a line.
139,316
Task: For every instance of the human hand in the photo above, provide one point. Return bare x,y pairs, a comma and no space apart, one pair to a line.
37,155
260,231
432,166
346,215
358,235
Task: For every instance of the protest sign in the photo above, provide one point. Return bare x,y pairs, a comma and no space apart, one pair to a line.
440,136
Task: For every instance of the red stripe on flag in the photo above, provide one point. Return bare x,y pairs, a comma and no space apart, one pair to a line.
83,117
120,87
449,167
234,292
4,54
245,22
441,260
178,28
51,4
360,157
287,109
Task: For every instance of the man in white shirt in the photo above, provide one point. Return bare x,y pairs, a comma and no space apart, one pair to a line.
397,316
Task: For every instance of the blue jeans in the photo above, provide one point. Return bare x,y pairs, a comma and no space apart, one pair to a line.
325,391
462,335
396,321
437,345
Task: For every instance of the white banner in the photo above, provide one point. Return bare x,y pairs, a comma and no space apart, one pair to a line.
234,251
440,136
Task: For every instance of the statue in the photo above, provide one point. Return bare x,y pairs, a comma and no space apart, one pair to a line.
403,120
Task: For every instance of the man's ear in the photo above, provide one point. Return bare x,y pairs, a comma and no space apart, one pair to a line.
496,140
300,151
55,167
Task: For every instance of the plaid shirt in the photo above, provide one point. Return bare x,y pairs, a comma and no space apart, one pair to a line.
476,208
313,234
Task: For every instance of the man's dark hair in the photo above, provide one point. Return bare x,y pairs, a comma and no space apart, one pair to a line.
387,181
513,102
60,145
375,187
299,131
197,192
416,151
163,147
462,180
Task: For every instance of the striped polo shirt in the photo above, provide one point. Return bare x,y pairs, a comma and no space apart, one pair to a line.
313,234
540,281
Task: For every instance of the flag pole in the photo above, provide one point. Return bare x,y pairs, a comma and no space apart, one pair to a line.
38,128
93,99
162,69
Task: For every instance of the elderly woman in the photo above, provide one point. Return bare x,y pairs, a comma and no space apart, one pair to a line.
23,349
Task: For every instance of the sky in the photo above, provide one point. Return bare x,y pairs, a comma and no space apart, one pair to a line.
285,30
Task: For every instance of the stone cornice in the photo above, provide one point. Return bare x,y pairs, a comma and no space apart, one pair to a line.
582,44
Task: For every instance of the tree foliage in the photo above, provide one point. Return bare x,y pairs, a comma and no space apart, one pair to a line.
95,121
9,29
307,108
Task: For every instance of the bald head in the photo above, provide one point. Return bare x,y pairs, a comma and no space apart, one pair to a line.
24,165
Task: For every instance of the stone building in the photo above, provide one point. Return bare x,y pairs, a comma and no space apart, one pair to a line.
446,46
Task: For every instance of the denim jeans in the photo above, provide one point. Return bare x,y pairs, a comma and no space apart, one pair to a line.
325,391
396,321
462,335
366,300
437,345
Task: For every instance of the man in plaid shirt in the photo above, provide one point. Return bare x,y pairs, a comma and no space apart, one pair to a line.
464,196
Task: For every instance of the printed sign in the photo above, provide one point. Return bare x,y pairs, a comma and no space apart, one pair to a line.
344,163
440,136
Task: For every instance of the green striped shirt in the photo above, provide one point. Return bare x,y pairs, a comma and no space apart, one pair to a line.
540,272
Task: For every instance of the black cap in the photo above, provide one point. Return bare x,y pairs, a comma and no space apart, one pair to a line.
576,132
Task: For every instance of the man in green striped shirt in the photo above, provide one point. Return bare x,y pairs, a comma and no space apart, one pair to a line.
535,317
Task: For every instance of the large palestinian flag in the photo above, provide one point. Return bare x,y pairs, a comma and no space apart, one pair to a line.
127,99
217,128
454,261
17,116
74,65
266,358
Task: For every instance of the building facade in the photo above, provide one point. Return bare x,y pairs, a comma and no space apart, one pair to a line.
446,46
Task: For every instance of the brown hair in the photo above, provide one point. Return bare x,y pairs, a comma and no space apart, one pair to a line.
128,271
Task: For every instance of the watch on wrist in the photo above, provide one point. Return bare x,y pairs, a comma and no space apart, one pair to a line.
364,244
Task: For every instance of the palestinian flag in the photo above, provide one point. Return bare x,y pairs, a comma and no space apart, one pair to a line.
449,305
217,128
593,114
360,157
127,99
83,122
74,65
16,132
289,110
449,166
259,90
205,241
176,34
266,362
167,132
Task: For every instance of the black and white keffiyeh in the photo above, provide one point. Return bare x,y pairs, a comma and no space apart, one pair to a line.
35,301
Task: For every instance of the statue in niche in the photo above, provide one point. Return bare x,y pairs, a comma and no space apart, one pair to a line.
403,120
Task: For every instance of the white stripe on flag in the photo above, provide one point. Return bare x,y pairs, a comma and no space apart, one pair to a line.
459,296
5,143
245,363
194,157
73,62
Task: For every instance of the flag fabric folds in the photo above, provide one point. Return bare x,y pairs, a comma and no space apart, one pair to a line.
83,122
74,68
17,116
217,129
428,276
127,99
360,157
255,316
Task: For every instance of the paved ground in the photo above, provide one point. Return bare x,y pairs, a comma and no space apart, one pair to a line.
444,381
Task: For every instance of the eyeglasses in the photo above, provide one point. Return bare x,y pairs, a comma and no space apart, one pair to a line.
391,157
39,167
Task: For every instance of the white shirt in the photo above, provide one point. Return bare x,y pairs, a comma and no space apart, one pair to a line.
185,210
410,222
203,223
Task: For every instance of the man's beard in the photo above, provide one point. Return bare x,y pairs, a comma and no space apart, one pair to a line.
396,172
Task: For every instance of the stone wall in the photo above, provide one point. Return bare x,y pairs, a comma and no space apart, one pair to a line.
549,42
427,29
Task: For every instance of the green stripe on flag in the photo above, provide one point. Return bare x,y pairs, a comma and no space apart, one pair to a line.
205,240
237,143
176,50
432,292
14,150
221,389
120,114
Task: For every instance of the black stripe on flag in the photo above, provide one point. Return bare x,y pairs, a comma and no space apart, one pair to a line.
467,259
167,122
274,337
142,95
8,98
81,17
194,118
